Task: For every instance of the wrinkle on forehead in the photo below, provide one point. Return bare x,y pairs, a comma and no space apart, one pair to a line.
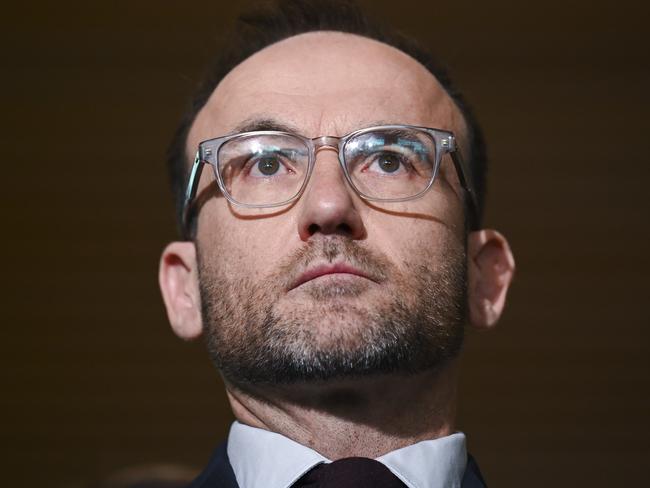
328,83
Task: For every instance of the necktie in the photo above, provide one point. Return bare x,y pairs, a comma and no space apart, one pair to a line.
351,472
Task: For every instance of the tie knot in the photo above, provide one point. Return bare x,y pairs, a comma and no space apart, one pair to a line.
350,472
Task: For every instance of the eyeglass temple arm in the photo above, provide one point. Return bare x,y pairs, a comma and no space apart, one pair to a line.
467,182
190,193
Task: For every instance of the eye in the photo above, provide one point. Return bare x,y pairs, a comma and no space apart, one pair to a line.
387,163
267,166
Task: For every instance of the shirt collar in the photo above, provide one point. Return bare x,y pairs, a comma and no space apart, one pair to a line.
438,463
263,459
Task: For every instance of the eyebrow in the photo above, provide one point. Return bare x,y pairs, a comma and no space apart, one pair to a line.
400,134
269,123
265,123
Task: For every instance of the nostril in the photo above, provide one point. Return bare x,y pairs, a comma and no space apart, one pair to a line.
344,228
341,229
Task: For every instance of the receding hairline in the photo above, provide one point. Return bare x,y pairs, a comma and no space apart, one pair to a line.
328,34
458,116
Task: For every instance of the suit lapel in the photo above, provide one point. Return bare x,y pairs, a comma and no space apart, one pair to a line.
472,477
218,474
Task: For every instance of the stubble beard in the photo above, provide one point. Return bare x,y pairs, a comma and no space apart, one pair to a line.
332,333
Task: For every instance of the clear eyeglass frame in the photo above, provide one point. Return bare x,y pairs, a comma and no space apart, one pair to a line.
444,142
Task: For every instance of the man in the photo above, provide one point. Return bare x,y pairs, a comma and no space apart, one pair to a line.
333,253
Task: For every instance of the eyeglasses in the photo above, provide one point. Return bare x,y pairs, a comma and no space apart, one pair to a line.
389,163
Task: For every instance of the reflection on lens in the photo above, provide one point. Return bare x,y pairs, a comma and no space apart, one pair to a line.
390,163
263,169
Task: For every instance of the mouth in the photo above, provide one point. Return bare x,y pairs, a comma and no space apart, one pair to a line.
342,269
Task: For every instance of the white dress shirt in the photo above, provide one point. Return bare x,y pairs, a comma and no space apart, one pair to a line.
263,459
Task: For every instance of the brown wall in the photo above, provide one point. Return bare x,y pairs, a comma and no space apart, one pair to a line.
92,378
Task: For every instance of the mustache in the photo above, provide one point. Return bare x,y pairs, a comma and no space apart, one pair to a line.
333,250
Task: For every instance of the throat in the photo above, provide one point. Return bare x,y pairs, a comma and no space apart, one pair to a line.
365,418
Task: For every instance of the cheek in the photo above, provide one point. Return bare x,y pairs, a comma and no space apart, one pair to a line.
239,247
413,240
418,225
407,241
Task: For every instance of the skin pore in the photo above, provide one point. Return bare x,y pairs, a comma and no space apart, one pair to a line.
329,83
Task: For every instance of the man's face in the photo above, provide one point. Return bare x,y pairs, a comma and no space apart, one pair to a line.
331,285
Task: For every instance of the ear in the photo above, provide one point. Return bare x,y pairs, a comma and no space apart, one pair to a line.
179,284
491,267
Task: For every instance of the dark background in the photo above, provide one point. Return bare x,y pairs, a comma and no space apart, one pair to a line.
93,379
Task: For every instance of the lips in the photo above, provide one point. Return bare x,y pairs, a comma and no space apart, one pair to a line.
327,269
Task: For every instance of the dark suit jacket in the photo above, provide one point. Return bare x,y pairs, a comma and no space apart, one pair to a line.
219,473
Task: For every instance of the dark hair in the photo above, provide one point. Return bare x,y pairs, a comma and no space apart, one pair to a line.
267,25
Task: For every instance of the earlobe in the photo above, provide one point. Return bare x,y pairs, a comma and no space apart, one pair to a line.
491,267
178,279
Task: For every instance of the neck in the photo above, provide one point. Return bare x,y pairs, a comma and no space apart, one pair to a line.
365,417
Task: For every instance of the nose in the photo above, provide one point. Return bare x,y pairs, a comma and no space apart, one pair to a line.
329,206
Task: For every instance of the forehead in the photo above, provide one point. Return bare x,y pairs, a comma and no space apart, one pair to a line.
326,83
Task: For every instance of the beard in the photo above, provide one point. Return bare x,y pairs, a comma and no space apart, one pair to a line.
410,321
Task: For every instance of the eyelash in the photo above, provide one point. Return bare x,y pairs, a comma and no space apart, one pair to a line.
253,161
400,158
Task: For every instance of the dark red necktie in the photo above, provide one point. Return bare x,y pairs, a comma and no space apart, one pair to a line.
351,472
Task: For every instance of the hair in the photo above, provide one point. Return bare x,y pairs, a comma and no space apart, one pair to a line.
268,24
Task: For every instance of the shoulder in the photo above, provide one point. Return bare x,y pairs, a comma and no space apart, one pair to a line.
218,473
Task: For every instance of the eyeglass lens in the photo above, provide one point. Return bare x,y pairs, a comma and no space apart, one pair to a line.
391,163
271,169
263,169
